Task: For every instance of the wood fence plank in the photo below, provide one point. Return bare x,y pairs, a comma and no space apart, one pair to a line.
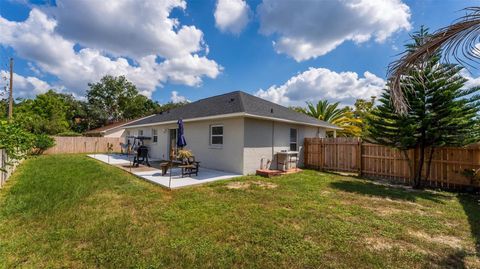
377,161
82,144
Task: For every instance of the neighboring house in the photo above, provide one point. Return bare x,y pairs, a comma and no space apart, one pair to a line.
116,129
231,132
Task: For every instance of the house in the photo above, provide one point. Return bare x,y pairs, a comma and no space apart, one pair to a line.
116,129
234,132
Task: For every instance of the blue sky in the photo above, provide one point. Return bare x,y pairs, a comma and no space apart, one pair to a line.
255,47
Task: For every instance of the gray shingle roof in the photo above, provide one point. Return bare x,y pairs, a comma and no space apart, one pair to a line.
233,102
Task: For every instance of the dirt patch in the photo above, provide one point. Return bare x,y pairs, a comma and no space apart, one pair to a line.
247,185
379,244
386,211
472,262
451,241
392,201
383,244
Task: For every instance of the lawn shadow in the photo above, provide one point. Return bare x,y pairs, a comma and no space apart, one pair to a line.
454,260
387,191
470,204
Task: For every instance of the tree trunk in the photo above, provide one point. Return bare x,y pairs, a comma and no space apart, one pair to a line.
409,162
417,181
429,163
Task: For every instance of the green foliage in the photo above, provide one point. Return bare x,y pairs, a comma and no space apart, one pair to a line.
69,133
440,113
362,110
3,109
342,117
169,106
41,143
46,114
114,99
111,99
15,140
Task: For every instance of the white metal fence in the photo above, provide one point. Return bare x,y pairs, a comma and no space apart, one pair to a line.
6,167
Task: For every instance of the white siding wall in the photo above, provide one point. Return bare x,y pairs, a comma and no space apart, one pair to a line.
259,143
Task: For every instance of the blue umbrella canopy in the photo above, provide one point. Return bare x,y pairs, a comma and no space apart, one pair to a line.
181,142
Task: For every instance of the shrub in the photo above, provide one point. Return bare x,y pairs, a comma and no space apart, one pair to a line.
69,133
16,141
41,143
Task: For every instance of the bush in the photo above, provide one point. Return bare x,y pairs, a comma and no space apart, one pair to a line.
16,141
41,143
69,133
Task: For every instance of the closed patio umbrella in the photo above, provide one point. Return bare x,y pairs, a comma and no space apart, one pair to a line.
181,142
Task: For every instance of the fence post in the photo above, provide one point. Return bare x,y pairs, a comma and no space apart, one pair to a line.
359,150
322,155
305,152
412,157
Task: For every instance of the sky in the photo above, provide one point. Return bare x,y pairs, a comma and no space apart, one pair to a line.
286,51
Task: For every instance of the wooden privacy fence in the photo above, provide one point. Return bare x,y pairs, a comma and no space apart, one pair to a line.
376,161
81,144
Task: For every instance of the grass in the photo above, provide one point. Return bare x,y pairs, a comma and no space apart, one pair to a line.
72,211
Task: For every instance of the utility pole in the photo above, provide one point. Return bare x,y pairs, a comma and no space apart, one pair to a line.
10,95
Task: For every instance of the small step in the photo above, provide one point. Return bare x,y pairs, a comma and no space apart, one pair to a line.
272,173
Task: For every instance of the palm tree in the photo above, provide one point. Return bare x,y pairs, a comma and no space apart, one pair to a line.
342,117
457,40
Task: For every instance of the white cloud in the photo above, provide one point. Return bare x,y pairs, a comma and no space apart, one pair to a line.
127,27
231,15
25,87
471,81
177,98
321,83
37,40
308,29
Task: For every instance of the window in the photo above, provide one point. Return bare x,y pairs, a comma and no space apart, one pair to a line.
140,132
293,139
154,135
216,135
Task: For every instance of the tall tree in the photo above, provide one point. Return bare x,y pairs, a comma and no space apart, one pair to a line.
47,113
361,110
440,112
459,40
3,108
115,98
342,117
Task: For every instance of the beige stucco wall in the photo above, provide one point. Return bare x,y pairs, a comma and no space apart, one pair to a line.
229,157
246,141
264,138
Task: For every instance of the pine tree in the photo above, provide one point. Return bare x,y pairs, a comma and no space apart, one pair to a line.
440,111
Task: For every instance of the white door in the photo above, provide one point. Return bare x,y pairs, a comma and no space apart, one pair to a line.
155,146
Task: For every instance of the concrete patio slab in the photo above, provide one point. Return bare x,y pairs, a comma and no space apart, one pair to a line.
154,175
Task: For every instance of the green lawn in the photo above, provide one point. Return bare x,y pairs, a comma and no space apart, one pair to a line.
72,211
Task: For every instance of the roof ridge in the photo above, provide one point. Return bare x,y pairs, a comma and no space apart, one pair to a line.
242,100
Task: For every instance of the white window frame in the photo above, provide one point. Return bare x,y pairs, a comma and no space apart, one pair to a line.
140,132
212,135
290,139
154,136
